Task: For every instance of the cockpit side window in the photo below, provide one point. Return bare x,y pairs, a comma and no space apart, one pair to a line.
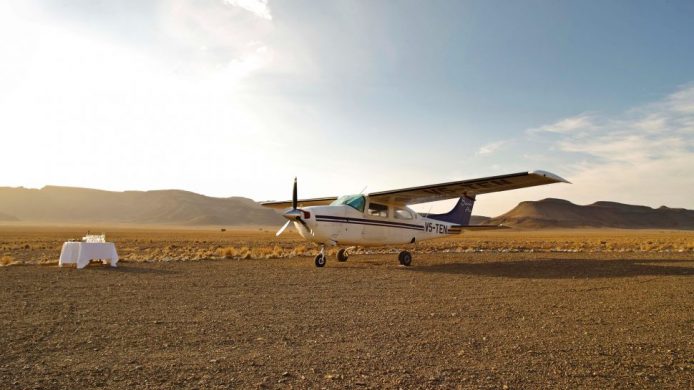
401,213
377,210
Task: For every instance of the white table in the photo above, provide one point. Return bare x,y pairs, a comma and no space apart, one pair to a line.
80,253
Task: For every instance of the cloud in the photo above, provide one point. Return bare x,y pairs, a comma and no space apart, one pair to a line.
682,101
653,122
567,125
250,62
258,7
491,148
644,155
210,37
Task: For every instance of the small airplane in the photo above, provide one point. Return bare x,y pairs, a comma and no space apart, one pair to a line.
383,218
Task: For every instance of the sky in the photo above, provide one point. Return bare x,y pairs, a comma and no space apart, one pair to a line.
236,97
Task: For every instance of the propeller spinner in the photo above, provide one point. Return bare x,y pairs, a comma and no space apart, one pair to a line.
294,214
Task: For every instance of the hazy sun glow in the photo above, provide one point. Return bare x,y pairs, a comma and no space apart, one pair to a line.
236,97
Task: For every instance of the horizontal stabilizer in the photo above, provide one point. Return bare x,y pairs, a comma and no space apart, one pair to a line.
483,227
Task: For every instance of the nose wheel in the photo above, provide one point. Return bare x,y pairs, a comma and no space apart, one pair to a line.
320,258
405,258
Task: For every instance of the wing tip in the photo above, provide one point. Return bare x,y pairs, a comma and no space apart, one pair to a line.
549,175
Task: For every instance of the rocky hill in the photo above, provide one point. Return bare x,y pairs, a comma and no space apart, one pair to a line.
7,217
53,204
559,213
479,220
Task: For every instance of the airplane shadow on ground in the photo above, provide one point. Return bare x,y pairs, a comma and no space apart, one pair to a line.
565,268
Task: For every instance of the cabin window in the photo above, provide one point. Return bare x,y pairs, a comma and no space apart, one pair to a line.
377,210
403,214
354,201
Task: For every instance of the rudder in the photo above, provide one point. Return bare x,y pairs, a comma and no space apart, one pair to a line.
460,214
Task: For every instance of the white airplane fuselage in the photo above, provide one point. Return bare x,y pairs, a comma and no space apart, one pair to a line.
383,218
345,225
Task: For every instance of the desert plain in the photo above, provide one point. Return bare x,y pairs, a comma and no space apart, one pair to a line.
202,308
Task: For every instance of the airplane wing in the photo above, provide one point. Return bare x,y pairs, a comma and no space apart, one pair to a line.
469,188
300,203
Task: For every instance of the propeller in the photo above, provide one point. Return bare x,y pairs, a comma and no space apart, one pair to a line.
282,228
294,214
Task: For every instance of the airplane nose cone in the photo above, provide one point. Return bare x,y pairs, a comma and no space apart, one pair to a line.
300,217
293,214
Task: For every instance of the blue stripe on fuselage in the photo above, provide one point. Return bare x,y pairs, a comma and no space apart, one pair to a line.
361,221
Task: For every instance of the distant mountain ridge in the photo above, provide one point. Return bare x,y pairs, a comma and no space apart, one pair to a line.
479,220
72,205
55,204
7,217
560,213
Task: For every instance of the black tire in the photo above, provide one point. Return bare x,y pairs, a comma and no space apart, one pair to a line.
320,260
342,255
405,258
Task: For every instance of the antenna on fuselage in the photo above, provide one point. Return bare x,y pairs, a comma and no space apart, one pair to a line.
363,189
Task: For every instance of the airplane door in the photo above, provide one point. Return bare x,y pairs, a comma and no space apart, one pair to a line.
372,232
335,231
351,230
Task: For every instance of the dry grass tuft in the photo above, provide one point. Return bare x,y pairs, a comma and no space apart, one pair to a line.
234,253
267,252
301,250
7,260
259,251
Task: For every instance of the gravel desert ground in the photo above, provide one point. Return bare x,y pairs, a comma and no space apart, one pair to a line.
549,309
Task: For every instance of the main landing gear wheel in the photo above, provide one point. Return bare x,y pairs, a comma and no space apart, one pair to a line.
320,260
342,255
405,258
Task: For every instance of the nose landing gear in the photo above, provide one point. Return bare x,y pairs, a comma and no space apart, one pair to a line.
320,258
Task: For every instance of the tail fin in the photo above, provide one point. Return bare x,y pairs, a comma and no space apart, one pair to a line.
460,215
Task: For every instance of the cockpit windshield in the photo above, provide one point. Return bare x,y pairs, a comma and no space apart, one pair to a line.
354,201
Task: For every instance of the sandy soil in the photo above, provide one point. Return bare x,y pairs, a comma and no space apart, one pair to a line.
492,319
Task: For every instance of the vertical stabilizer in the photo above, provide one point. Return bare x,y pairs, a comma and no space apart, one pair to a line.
461,213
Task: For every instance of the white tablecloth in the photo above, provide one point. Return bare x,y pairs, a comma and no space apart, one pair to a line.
81,252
